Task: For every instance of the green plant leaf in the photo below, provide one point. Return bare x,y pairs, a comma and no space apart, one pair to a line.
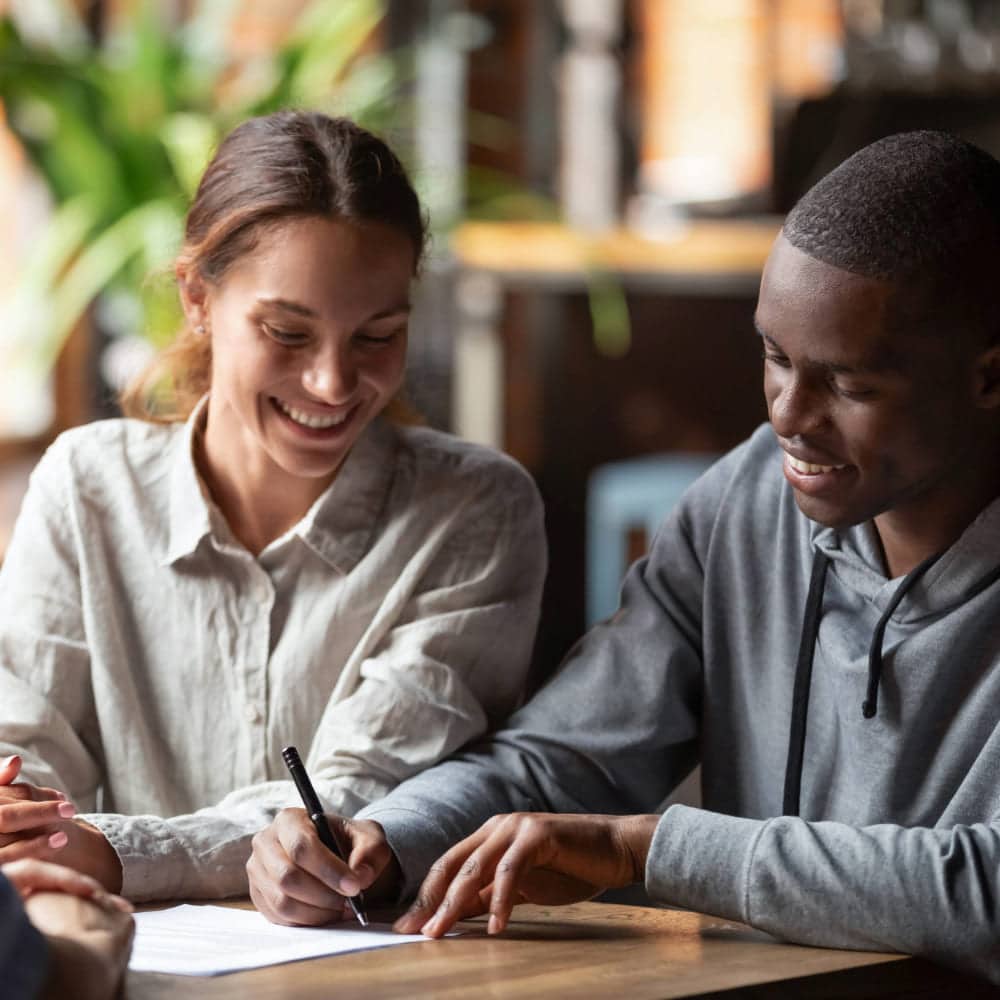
27,317
609,314
100,262
330,34
189,139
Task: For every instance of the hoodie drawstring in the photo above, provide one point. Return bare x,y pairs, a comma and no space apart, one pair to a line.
870,705
803,681
803,668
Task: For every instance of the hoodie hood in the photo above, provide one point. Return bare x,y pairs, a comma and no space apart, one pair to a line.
975,563
856,559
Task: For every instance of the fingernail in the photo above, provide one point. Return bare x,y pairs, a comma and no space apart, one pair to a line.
7,761
67,809
349,885
58,840
493,927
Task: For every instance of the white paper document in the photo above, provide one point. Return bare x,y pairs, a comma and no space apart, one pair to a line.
208,940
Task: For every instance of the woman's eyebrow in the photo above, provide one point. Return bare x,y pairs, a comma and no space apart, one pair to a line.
398,310
288,306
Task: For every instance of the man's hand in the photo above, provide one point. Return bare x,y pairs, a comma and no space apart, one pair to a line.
533,858
295,880
38,823
89,931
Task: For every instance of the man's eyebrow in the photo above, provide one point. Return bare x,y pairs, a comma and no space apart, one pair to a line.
883,362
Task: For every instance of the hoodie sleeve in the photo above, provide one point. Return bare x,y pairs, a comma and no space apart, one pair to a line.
921,891
601,736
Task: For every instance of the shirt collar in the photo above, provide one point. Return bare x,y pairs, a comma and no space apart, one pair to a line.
338,526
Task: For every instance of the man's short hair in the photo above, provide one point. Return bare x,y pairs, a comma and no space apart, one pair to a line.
920,210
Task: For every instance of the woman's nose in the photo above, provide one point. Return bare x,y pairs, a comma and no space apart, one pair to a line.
331,378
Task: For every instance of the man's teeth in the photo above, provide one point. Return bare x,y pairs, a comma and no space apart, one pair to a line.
312,419
808,468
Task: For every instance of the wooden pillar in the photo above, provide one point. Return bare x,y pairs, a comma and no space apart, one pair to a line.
590,98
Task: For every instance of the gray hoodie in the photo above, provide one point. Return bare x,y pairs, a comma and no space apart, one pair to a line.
896,841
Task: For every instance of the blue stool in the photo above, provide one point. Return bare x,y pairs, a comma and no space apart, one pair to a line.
624,497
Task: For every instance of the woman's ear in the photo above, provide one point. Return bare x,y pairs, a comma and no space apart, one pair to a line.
194,297
988,378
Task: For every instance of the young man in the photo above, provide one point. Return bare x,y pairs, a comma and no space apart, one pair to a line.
817,624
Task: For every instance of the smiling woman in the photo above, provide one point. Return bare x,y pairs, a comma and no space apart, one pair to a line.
308,336
262,553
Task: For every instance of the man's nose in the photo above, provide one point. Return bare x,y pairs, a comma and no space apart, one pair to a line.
796,407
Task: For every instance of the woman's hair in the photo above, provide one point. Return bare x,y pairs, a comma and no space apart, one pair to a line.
279,166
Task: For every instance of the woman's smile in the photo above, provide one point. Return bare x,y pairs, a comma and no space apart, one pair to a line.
315,424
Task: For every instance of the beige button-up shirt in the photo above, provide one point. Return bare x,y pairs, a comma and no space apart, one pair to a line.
152,668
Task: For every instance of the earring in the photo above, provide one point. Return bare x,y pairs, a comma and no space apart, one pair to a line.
200,329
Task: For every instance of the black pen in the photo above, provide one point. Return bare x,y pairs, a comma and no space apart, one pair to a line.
304,785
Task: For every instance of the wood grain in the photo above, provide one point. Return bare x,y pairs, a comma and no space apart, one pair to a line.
587,950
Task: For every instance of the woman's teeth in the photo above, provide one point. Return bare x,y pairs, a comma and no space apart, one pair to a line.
312,419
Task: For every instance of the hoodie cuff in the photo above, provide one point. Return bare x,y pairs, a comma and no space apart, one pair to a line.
416,841
700,860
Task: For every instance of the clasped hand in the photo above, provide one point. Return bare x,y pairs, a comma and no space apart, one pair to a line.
38,822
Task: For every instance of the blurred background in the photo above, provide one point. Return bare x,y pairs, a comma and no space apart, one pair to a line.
603,177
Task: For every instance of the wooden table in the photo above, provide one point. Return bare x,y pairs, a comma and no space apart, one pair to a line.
585,950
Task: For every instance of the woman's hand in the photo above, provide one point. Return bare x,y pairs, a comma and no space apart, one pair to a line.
30,817
38,823
295,880
529,858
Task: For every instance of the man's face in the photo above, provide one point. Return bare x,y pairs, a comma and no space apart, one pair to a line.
871,419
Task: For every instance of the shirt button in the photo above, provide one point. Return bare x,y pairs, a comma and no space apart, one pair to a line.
252,713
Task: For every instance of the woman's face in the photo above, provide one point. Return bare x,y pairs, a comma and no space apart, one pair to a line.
308,345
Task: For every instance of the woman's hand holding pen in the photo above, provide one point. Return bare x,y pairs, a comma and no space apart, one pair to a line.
38,822
295,880
529,858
